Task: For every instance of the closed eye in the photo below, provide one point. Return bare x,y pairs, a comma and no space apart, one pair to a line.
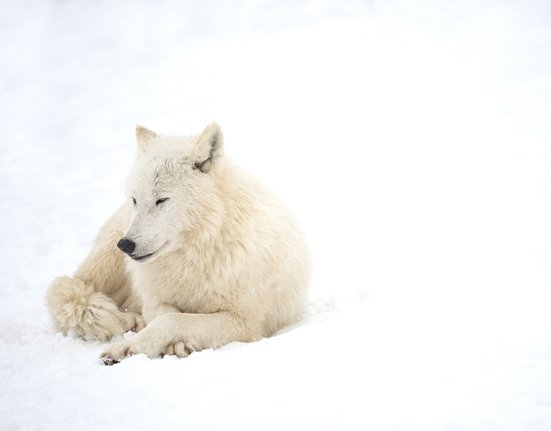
160,201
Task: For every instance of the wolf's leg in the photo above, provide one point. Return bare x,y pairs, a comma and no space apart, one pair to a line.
88,303
181,334
152,309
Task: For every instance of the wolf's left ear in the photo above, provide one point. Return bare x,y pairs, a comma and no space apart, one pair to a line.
144,137
209,147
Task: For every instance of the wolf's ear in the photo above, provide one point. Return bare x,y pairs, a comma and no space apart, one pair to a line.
144,137
209,147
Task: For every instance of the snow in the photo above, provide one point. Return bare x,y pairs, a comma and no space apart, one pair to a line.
411,139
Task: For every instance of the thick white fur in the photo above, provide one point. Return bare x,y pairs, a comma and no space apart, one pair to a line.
228,262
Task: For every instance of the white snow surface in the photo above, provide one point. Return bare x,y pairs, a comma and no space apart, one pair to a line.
412,139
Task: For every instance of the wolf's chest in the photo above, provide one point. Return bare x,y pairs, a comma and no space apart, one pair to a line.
190,288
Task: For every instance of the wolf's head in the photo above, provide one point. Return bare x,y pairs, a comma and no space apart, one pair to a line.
170,190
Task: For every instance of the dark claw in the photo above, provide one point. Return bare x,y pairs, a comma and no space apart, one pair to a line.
107,360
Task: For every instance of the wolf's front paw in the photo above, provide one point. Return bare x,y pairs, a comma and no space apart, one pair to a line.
116,352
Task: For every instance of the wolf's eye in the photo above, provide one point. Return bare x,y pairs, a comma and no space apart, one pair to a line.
160,201
133,200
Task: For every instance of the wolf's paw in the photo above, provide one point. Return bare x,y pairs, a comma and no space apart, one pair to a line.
178,348
116,352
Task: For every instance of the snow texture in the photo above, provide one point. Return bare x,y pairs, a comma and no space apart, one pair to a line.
411,138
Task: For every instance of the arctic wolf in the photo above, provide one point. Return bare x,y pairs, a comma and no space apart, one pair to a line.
199,255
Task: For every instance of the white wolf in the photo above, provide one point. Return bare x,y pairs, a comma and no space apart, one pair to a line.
209,257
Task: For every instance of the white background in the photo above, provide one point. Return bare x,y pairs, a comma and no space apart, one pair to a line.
411,139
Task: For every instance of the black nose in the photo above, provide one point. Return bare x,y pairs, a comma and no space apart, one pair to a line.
126,245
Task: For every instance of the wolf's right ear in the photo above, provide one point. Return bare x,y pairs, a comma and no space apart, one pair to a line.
209,147
144,137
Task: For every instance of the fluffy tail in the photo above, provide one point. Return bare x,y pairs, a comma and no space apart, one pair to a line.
77,308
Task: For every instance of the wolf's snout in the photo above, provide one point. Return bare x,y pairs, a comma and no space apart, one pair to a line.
126,245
